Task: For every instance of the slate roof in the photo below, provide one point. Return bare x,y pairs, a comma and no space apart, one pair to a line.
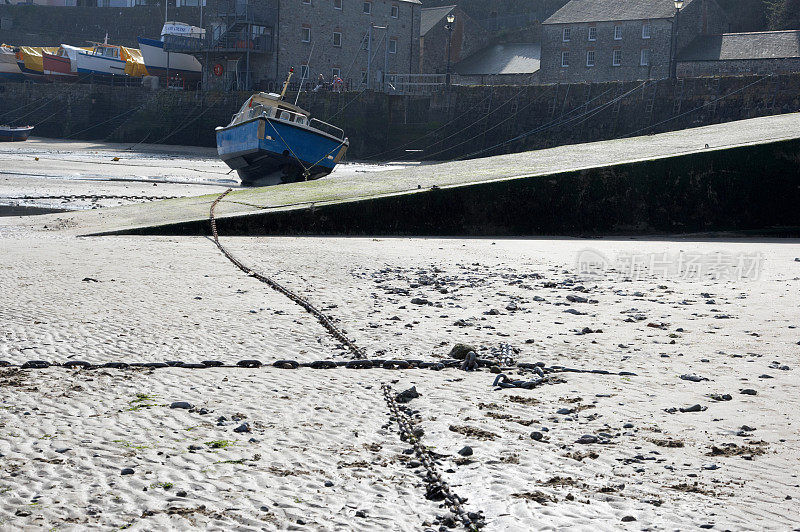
510,58
757,45
578,11
430,16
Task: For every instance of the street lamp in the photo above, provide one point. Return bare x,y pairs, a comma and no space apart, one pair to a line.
449,27
674,48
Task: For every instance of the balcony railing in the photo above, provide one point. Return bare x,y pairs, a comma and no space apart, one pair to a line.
240,40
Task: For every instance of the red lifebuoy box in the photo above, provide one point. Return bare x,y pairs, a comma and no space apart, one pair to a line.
218,69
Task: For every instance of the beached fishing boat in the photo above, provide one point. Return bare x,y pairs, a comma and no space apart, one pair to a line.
62,66
270,141
102,60
9,69
14,134
160,63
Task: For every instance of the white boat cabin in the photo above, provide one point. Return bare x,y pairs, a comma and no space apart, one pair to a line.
105,50
270,106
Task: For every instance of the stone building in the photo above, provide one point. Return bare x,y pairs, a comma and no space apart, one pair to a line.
625,40
765,53
467,37
335,38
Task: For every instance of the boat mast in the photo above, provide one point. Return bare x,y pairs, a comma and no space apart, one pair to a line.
286,83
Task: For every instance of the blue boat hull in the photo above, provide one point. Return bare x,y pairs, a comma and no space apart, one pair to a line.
15,135
266,151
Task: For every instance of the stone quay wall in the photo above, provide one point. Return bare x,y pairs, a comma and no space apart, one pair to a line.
469,121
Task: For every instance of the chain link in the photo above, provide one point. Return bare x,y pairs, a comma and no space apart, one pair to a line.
310,308
90,197
471,520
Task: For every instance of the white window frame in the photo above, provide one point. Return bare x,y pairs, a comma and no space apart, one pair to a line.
646,30
616,58
395,11
364,77
618,33
336,72
590,58
306,34
366,8
566,34
304,72
564,58
339,33
644,57
337,4
592,33
392,46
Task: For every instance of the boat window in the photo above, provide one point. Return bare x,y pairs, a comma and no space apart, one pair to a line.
301,120
285,116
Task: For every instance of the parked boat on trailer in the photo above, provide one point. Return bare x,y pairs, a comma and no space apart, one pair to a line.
102,60
62,66
173,64
9,69
14,134
270,141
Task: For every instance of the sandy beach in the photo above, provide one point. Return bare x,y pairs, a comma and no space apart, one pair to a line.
704,432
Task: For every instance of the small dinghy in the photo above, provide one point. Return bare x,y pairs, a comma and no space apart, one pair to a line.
14,134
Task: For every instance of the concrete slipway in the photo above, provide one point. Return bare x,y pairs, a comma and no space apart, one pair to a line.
737,175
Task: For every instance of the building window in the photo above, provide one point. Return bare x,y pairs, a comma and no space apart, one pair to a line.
646,30
303,71
307,2
392,46
337,4
337,39
367,8
363,77
395,11
592,33
306,34
617,58
645,58
565,59
566,35
336,72
590,58
392,78
617,33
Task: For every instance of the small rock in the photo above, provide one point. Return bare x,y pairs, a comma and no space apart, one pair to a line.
577,299
407,395
182,404
62,450
466,451
361,513
627,426
536,435
710,467
693,378
586,439
628,519
564,411
244,427
749,391
693,408
194,447
328,484
721,397
127,471
181,493
460,351
420,301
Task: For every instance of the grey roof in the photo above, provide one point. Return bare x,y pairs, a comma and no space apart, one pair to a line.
577,11
430,16
510,58
758,45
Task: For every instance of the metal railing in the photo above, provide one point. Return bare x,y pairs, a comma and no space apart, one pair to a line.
220,40
417,83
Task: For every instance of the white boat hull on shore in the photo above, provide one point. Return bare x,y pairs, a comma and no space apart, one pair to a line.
158,62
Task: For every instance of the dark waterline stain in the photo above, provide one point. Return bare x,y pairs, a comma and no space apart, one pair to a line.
16,210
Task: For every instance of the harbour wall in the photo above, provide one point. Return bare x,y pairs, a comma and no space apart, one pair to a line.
750,187
467,121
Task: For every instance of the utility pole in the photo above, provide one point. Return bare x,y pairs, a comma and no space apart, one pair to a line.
673,67
369,56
